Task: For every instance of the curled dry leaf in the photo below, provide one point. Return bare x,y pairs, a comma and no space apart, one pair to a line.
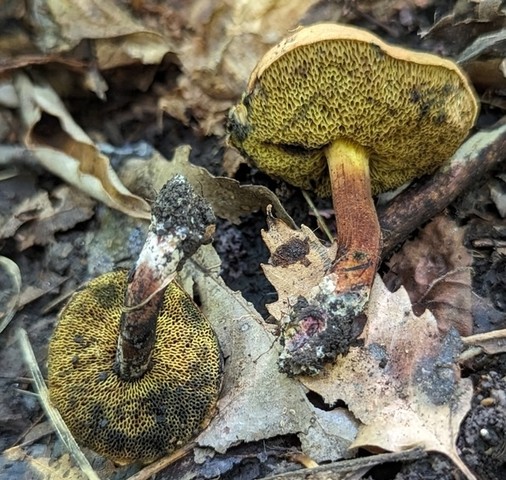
10,288
403,383
119,39
474,33
215,66
228,198
63,148
435,269
64,208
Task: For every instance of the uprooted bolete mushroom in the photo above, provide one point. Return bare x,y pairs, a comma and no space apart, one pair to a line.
134,367
336,110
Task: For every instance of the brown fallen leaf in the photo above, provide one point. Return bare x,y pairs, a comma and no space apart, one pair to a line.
228,198
64,208
64,149
119,38
214,63
435,269
466,22
32,215
248,411
403,383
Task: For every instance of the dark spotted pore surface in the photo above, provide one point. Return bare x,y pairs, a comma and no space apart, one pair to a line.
146,418
410,116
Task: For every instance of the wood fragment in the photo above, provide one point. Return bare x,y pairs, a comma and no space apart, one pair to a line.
430,195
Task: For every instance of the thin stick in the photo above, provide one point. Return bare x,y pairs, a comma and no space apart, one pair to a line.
319,219
54,416
420,202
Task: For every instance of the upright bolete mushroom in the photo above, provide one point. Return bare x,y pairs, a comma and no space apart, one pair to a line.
134,367
334,109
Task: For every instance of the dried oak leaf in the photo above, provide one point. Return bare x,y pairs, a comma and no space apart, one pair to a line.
65,207
403,383
118,38
435,269
297,264
64,149
32,216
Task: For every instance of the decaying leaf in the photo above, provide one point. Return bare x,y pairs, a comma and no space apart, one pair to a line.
298,262
32,216
228,198
474,33
119,39
63,148
228,38
44,468
466,22
258,402
435,269
402,383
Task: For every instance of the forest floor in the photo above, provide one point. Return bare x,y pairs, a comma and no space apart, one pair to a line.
127,87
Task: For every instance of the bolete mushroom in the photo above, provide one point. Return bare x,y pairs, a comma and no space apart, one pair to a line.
334,109
134,367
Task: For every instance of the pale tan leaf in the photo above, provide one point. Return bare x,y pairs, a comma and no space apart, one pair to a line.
248,411
10,287
66,208
403,384
119,38
228,38
297,264
63,148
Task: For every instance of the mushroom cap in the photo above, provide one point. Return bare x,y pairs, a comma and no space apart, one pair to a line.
409,110
146,418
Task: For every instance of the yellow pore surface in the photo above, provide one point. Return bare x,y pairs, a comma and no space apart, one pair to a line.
146,418
409,110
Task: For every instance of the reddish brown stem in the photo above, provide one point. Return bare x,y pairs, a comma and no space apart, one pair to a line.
181,222
358,231
143,299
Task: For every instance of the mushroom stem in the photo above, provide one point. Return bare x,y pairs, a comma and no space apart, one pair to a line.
181,222
154,270
358,230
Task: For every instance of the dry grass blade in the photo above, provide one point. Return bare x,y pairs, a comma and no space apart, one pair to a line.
60,427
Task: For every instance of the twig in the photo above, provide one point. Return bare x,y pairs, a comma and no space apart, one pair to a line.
53,414
419,203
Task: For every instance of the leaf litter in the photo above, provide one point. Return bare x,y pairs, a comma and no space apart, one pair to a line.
421,399
435,269
403,382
